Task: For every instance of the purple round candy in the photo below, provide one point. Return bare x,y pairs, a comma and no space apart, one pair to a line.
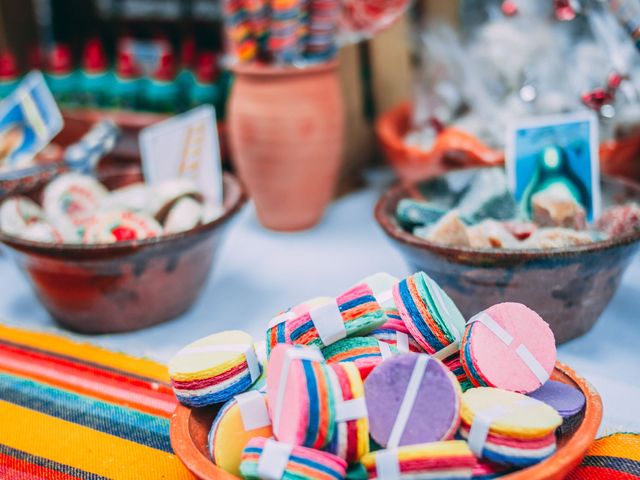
566,399
434,413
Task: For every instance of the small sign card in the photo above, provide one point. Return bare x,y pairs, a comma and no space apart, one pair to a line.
185,146
557,152
29,119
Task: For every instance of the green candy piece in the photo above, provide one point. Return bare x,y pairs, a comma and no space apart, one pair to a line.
412,213
487,196
357,472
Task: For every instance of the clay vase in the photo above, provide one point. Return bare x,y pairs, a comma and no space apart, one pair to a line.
286,132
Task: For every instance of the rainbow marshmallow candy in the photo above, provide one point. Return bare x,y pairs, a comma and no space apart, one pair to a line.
268,459
324,321
214,369
437,460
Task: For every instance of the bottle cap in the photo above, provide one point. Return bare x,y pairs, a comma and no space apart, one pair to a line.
126,66
207,68
94,59
8,66
165,72
60,60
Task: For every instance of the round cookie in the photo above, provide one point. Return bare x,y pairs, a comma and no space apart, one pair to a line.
17,213
412,399
301,398
429,314
508,346
214,369
239,420
120,225
289,462
73,194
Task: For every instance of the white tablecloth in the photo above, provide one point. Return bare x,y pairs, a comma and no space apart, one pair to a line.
258,273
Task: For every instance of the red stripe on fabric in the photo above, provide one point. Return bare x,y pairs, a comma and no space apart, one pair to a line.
599,473
149,397
15,468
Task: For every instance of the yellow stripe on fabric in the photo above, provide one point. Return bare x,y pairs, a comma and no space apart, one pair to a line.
625,445
80,447
84,351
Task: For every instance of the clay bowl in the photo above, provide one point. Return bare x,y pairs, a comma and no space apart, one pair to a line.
190,428
127,285
569,288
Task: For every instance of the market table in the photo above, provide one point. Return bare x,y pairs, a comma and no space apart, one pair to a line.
258,273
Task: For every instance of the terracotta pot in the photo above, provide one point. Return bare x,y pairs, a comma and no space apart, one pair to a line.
286,131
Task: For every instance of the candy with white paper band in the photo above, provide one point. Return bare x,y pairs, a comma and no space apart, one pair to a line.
402,342
387,466
385,350
351,410
283,317
447,351
480,428
385,299
492,325
328,321
246,349
253,410
293,353
406,407
532,363
273,460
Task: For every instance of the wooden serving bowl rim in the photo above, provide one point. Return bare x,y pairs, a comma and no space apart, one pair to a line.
565,459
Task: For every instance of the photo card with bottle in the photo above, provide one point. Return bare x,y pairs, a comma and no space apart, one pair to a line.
556,154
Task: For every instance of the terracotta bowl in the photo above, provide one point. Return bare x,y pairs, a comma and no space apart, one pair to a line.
190,428
569,288
128,285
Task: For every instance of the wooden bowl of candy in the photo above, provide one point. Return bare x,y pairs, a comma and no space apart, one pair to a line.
116,267
567,276
190,429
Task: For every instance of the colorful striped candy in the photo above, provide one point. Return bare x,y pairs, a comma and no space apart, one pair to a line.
449,460
301,396
351,438
365,353
355,312
429,314
238,421
214,369
266,458
396,333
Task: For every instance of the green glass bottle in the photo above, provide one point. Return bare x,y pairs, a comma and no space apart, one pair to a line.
95,77
127,86
204,88
554,171
9,75
162,90
60,76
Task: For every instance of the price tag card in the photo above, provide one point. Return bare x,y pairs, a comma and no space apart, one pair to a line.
558,154
185,146
29,119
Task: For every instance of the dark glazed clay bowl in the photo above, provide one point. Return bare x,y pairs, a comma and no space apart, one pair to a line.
569,288
128,285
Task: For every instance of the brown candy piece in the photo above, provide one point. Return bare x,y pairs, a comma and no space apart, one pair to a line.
552,208
449,230
491,234
549,238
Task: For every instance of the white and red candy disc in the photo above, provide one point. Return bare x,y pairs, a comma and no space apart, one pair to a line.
508,346
119,226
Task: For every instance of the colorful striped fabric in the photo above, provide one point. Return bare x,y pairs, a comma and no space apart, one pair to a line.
614,457
75,411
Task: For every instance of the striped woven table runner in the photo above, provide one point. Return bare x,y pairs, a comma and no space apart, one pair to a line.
75,411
